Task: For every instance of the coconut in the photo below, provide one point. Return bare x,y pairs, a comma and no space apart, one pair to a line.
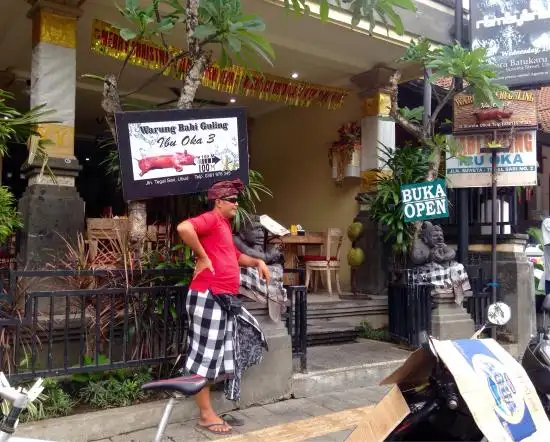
356,257
354,230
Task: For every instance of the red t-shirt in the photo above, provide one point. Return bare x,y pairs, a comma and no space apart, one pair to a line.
214,232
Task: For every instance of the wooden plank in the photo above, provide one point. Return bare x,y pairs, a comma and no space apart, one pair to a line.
389,411
313,239
307,428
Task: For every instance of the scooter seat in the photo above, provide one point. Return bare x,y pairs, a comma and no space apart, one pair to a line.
187,385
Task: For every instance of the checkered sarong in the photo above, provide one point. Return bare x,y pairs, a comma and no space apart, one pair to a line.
210,337
257,289
453,278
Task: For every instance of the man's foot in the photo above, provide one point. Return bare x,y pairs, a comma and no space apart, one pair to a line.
216,427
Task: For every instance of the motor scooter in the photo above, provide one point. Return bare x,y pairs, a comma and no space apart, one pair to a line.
438,411
536,359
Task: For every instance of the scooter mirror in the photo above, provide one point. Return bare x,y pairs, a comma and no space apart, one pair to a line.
499,313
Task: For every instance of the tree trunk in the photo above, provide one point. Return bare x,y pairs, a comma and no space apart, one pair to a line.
192,81
137,229
199,56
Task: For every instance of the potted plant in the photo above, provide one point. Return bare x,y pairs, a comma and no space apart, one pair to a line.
344,154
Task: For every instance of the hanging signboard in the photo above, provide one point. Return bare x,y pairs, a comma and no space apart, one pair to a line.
427,200
471,168
518,109
176,152
516,35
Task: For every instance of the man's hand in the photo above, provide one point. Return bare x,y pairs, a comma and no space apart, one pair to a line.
263,271
203,264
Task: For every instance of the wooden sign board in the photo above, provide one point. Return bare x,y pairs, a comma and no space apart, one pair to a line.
177,152
518,109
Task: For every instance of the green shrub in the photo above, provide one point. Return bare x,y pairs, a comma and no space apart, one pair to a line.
113,392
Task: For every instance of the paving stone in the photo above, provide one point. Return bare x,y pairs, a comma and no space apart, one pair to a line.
331,402
185,432
138,436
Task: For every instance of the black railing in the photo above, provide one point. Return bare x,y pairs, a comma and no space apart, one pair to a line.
296,317
60,322
512,211
409,310
477,304
96,320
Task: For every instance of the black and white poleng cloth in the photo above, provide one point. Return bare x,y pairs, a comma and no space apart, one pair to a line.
444,279
219,344
257,289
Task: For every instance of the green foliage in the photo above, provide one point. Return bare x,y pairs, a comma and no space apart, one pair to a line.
9,217
250,195
414,115
90,376
367,331
180,257
536,233
18,126
457,61
406,165
52,402
115,392
219,22
374,11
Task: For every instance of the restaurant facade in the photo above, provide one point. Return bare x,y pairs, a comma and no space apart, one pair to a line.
344,71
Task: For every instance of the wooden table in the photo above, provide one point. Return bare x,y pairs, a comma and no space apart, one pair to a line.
291,244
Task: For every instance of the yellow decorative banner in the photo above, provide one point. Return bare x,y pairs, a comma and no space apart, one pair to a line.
234,79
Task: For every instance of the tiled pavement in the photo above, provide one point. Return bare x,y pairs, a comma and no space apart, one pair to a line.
275,416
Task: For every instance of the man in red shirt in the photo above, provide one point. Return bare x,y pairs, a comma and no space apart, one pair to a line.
217,273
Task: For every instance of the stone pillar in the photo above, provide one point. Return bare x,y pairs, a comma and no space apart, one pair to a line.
52,208
516,285
377,131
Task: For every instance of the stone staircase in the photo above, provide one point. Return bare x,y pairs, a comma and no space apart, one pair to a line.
335,321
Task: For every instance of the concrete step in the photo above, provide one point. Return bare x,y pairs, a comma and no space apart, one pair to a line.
342,367
331,333
344,308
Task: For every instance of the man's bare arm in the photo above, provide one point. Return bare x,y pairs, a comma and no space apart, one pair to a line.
189,236
248,261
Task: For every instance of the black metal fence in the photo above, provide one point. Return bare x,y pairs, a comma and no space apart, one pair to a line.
60,322
296,317
63,322
477,304
511,207
409,310
296,321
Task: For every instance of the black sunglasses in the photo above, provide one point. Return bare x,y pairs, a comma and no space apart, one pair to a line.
231,199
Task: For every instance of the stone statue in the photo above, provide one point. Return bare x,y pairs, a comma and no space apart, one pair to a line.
435,260
250,240
431,247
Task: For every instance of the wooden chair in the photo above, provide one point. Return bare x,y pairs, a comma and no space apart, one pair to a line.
328,262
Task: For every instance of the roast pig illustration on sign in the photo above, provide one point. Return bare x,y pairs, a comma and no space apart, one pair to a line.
492,115
174,161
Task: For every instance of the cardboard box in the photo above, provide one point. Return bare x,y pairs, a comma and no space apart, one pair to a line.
496,388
